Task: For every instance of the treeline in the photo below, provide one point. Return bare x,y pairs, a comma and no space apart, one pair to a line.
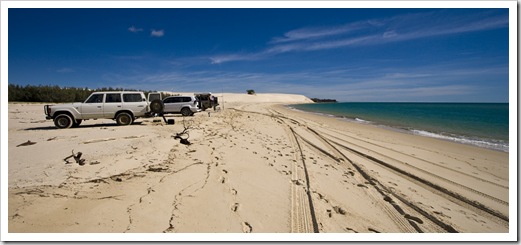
54,94
316,100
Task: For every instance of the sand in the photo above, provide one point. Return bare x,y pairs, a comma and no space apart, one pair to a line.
255,166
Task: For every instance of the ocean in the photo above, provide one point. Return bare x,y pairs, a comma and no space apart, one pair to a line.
481,124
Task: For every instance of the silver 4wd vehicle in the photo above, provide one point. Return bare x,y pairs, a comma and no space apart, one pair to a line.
122,106
186,105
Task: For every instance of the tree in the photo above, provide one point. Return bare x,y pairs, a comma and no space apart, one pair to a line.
52,94
250,91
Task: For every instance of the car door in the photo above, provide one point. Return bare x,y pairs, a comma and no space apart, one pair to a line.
178,103
135,102
112,104
167,105
92,107
172,104
154,96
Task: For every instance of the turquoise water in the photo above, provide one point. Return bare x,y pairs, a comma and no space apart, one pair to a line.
481,124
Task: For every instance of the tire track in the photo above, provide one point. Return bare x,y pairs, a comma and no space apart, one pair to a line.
399,218
379,197
450,195
303,217
398,215
425,172
303,211
453,195
417,158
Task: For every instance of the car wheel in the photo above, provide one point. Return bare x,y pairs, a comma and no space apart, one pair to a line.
123,119
76,123
157,106
63,121
186,112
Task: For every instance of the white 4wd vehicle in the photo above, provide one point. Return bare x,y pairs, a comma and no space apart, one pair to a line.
122,106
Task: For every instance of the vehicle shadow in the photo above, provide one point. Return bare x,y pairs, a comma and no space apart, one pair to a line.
83,126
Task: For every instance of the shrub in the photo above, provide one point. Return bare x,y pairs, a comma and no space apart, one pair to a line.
250,91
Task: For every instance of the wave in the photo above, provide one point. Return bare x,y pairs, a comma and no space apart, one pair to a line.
362,120
484,143
491,144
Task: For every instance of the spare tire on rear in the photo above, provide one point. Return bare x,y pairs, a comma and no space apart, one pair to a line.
157,106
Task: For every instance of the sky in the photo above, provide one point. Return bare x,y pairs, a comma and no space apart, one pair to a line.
348,54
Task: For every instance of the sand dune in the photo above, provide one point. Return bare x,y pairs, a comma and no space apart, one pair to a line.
253,167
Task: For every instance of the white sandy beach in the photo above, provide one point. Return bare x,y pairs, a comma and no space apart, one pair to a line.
253,167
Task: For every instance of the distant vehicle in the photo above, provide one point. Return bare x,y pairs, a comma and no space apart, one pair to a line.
185,105
122,106
206,100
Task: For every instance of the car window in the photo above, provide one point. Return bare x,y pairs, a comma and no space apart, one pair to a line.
113,98
132,98
154,96
95,98
186,99
176,100
168,100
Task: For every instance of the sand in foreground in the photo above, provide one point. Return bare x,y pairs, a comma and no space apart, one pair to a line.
252,167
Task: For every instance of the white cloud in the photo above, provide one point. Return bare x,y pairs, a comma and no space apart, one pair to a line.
398,28
218,59
317,32
134,29
157,33
375,32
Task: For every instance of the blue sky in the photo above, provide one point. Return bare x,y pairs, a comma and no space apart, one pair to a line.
425,55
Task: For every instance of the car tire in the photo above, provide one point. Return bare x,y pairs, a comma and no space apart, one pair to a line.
76,123
157,106
63,121
123,119
186,112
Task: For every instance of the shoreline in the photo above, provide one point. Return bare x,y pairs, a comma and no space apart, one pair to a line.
491,144
251,168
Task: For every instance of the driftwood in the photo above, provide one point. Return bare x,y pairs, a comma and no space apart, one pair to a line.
183,136
26,143
76,157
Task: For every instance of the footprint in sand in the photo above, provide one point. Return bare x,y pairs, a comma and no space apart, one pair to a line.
233,191
246,227
350,230
285,172
361,185
235,207
297,182
222,180
373,230
339,210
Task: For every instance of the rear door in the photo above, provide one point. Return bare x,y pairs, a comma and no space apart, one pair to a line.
154,96
92,107
112,104
173,104
135,102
